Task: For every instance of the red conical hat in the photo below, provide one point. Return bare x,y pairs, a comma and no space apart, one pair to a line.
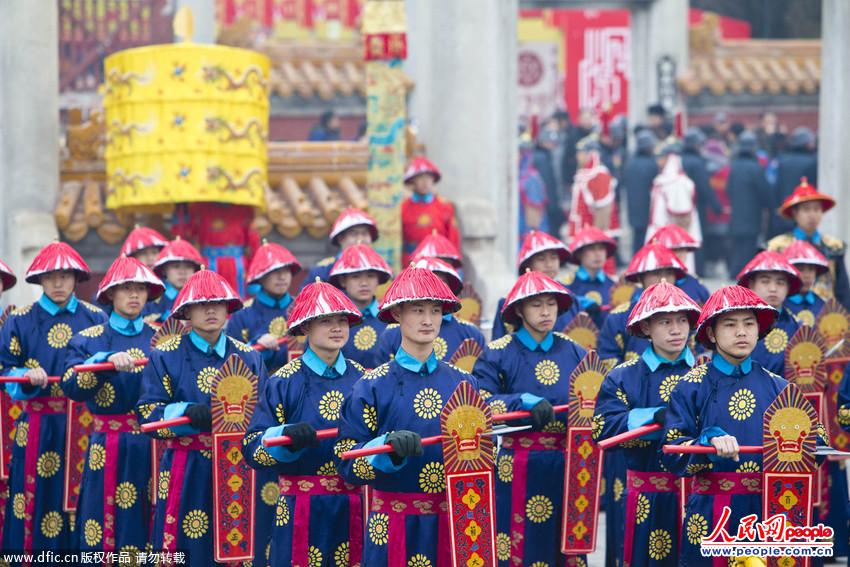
420,165
57,256
734,298
178,250
769,261
268,258
440,267
140,238
536,242
417,284
801,252
531,284
674,237
802,194
438,246
7,276
661,298
205,286
320,299
353,217
126,269
587,236
360,258
651,258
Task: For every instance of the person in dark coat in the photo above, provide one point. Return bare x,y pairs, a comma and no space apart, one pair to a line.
638,175
545,166
749,195
797,162
695,168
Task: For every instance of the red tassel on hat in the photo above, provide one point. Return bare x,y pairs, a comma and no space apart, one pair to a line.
140,238
438,246
352,217
126,269
801,253
417,284
734,298
652,258
674,237
769,261
178,250
536,242
268,258
420,165
440,267
320,299
531,284
658,298
7,276
360,258
57,256
205,286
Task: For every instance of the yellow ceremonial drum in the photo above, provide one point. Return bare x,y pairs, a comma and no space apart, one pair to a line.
184,123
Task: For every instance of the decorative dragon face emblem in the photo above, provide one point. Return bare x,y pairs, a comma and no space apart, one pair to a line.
805,358
466,424
587,386
233,393
790,427
833,327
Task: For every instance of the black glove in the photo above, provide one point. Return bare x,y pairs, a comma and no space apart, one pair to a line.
593,309
302,434
200,417
541,414
405,444
658,417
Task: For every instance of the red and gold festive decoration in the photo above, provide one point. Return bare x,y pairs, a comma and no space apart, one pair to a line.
384,30
77,433
582,330
583,467
360,258
178,250
205,286
436,245
468,459
320,299
674,237
442,268
126,269
805,193
7,276
661,298
233,401
588,236
733,298
417,284
54,257
140,238
833,325
769,261
268,258
350,218
622,293
652,258
536,242
466,355
531,284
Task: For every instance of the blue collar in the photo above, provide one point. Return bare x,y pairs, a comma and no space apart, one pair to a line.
171,291
448,317
270,301
409,363
47,304
528,341
317,365
584,276
427,198
370,310
219,348
799,298
800,235
126,327
730,369
654,360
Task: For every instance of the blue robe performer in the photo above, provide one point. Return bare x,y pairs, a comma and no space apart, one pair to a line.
396,403
34,344
264,320
459,342
174,265
590,250
113,512
143,244
319,518
543,253
682,244
358,272
530,466
773,278
351,227
805,305
634,394
177,382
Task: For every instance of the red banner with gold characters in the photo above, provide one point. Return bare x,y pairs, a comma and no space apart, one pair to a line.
76,445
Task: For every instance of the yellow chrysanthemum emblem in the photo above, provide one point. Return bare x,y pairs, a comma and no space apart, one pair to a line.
776,341
555,427
344,445
314,557
440,348
205,379
363,469
427,403
327,469
48,464
621,395
377,372
86,380
166,384
136,353
660,544
164,483
59,335
97,456
21,433
539,564
31,363
673,434
642,509
547,372
695,468
432,479
331,404
169,344
365,338
239,345
92,332
618,338
503,546
696,374
105,396
15,346
505,468
596,425
748,466
269,493
19,506
280,413
195,524
741,404
697,528
619,488
667,385
282,512
378,528
341,555
51,524
289,369
498,406
419,560
92,532
125,495
370,417
500,343
145,410
278,327
539,508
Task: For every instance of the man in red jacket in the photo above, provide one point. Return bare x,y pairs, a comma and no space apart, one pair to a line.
425,212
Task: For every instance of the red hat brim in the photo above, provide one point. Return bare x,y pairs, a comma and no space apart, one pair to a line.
765,315
786,210
509,312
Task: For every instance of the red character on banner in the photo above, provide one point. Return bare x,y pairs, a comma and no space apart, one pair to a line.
424,212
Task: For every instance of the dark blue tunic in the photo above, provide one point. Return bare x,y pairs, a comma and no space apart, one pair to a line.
805,307
770,351
362,345
454,333
265,314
